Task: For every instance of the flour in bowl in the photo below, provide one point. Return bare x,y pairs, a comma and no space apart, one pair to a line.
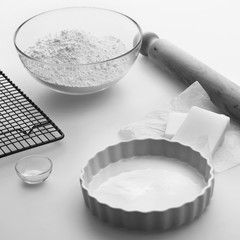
68,58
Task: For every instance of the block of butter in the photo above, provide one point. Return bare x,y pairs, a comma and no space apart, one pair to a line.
175,120
200,123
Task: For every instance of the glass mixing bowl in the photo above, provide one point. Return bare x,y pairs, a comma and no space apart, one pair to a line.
78,78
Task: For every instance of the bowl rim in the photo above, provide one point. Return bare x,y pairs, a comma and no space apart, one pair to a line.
138,44
209,183
49,169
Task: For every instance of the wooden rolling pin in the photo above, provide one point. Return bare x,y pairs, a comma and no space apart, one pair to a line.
224,93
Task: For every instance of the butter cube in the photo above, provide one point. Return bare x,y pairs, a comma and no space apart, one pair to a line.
175,120
199,123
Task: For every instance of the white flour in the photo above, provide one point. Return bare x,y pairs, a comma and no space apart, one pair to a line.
70,49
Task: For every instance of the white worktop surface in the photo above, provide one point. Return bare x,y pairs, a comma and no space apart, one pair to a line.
209,30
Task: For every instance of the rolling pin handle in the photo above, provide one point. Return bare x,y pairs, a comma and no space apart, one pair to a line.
147,41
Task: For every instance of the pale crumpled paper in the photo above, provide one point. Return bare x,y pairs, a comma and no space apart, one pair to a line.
153,125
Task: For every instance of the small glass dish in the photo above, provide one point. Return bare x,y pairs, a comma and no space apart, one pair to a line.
34,169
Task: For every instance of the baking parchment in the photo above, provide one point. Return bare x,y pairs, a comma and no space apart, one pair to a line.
153,125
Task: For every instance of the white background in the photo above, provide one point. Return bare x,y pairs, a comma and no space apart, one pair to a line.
209,30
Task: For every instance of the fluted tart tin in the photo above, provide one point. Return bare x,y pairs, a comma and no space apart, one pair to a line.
147,184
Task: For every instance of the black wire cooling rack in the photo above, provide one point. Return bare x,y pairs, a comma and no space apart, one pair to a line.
23,125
